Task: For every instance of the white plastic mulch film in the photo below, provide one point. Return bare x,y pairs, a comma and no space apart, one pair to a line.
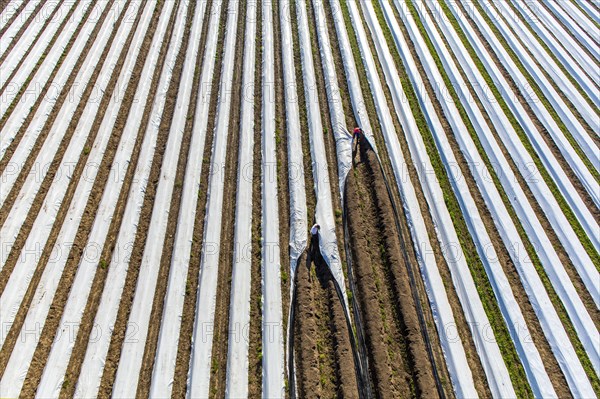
529,355
202,338
97,349
538,62
556,271
22,72
273,384
547,315
239,308
533,100
132,351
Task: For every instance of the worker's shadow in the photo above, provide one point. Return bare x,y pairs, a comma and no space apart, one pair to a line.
315,258
359,147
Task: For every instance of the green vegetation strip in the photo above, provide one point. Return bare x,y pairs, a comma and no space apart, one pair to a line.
592,20
490,303
551,53
583,357
538,91
564,206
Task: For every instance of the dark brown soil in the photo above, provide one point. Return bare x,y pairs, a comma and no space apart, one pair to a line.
255,329
398,361
322,349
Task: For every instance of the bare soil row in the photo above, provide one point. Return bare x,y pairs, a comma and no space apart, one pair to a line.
399,364
321,341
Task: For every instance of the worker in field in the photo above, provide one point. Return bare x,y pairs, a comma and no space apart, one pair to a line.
357,138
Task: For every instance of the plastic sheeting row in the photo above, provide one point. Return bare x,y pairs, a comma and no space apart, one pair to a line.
523,159
453,350
324,207
575,60
202,338
22,353
9,35
106,315
489,353
532,283
239,309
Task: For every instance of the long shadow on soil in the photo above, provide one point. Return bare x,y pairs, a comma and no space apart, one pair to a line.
323,355
399,364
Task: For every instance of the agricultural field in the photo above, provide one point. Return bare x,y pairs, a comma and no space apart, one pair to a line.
162,163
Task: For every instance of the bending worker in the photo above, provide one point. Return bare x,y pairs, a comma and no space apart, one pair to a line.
314,240
357,137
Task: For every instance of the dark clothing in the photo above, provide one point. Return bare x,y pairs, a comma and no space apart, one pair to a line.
357,138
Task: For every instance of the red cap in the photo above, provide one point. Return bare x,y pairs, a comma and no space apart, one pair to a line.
357,130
